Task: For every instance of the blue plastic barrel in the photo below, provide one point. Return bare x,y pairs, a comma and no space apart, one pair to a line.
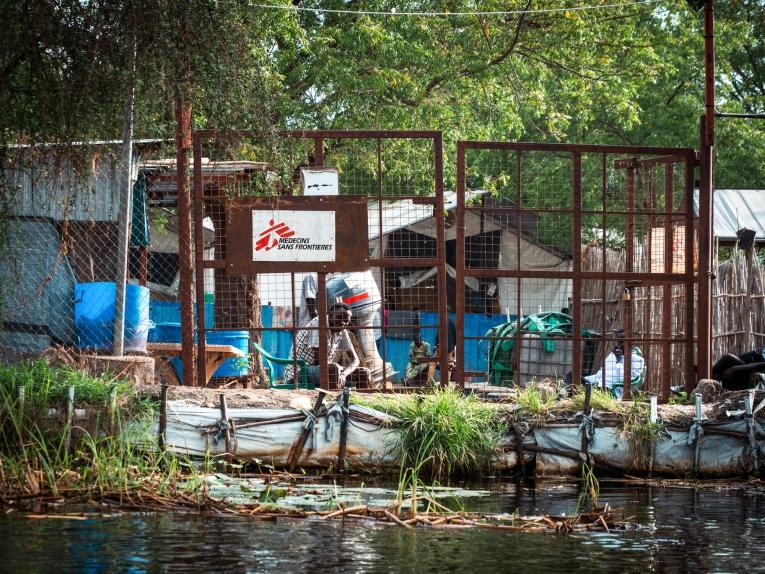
94,305
234,367
170,312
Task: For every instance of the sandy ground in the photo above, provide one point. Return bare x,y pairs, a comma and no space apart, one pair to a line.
240,398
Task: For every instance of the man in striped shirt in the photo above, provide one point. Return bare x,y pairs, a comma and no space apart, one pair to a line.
306,347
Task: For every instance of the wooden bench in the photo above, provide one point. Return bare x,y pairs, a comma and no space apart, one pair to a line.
216,355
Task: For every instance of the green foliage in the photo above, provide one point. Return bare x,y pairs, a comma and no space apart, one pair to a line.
45,385
681,398
444,433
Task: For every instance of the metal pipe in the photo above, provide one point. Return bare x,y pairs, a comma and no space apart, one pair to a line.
709,72
443,330
666,304
576,249
705,254
199,255
126,203
460,263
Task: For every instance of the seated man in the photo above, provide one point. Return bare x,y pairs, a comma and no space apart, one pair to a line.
306,347
416,371
613,371
735,371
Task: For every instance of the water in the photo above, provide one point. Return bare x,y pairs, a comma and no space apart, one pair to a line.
680,530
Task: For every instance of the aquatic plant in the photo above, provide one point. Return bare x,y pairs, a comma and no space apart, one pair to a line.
444,433
590,489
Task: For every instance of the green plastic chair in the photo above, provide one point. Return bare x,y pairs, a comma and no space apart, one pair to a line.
268,364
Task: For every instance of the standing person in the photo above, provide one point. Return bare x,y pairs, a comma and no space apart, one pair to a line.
451,348
306,347
308,309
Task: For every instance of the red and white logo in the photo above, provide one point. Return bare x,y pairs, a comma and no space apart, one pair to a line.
287,235
267,240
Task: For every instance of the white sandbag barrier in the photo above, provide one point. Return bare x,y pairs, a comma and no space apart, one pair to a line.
705,448
268,435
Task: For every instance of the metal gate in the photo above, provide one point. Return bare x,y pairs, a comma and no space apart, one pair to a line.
400,173
585,258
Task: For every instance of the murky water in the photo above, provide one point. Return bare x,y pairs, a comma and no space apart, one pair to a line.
680,530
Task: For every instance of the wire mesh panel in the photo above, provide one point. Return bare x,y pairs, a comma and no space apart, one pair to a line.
71,214
392,305
589,253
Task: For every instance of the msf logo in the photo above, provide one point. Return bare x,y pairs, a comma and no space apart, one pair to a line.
267,239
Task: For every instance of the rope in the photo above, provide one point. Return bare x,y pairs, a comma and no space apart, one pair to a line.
587,425
309,424
754,449
335,415
222,427
695,432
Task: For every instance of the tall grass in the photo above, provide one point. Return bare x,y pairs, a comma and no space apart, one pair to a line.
535,401
43,451
443,434
599,400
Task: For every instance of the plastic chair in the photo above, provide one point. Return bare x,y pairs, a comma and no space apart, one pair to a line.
268,364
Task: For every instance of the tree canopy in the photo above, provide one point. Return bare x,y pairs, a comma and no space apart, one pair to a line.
607,74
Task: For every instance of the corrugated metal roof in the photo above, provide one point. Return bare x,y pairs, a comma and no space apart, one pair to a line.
55,192
734,209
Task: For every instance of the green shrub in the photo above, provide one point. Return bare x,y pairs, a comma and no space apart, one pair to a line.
444,433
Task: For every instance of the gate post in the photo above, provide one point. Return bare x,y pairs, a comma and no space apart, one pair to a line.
705,271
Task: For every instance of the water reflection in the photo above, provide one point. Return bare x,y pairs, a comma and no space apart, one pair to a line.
680,530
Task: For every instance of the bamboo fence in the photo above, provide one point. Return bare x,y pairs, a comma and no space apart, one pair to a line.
738,310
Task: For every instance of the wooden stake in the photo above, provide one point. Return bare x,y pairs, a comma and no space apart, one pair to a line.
343,429
227,433
162,417
69,418
299,444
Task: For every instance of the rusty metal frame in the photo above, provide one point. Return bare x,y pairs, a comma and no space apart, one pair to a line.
318,137
662,158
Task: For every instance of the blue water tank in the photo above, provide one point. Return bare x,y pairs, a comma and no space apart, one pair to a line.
94,305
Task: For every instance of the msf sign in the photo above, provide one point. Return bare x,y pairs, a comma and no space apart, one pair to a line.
284,235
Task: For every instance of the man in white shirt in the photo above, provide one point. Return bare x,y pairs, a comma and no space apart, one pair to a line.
613,369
